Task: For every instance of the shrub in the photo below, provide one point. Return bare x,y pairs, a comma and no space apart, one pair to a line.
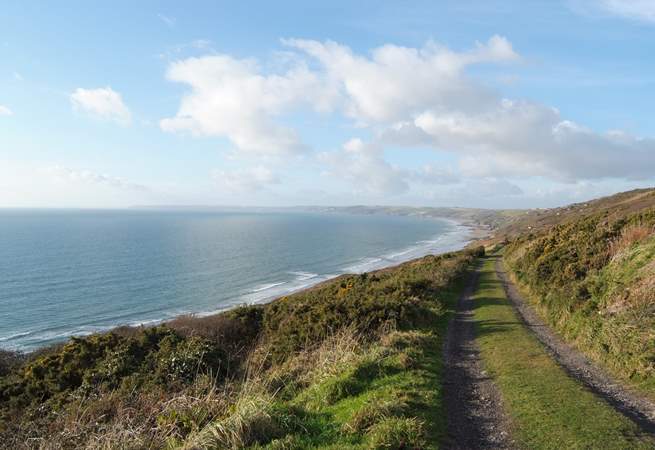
591,289
403,298
148,387
9,361
477,252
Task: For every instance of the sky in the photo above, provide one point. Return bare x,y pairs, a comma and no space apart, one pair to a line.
493,104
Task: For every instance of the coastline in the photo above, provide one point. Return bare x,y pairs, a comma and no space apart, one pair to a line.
460,235
464,233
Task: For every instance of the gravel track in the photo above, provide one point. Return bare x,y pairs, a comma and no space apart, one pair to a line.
475,415
637,408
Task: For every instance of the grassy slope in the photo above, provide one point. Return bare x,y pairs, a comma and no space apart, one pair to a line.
593,280
397,380
540,220
353,363
548,409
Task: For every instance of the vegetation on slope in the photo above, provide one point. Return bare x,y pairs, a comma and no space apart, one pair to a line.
549,410
353,363
593,278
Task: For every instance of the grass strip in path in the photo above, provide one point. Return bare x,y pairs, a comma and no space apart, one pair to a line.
549,410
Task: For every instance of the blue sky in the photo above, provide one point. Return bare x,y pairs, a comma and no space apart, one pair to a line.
472,103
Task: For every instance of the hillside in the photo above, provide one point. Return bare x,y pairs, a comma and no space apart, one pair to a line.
539,220
546,337
590,271
483,219
353,363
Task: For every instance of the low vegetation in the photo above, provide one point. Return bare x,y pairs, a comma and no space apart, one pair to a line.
593,279
353,363
547,408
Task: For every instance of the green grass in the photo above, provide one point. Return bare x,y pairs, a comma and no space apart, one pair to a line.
548,409
268,374
389,397
593,280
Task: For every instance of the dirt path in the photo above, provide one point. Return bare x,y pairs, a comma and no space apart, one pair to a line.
475,416
637,408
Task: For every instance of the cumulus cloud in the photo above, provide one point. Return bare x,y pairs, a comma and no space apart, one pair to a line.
406,97
246,180
70,175
520,138
363,165
396,82
104,103
232,98
5,111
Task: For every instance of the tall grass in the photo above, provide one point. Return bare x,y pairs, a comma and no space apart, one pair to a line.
282,374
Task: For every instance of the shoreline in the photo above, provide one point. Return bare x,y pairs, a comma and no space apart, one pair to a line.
458,237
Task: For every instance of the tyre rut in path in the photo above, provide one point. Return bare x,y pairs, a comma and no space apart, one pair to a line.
475,417
640,410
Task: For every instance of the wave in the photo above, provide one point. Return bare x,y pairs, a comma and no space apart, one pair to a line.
304,275
454,239
264,287
15,336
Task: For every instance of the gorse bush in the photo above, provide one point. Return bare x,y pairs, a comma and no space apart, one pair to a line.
181,384
157,355
592,278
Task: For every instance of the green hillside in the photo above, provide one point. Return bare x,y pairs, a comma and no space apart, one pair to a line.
433,353
590,271
354,363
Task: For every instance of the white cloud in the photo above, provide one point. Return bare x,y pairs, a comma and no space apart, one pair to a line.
631,9
5,111
170,21
406,97
104,103
43,184
69,175
232,98
246,180
432,174
363,166
520,138
396,82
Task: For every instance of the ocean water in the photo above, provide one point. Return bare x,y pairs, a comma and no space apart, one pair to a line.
66,273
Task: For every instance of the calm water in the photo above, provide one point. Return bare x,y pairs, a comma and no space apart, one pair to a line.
76,272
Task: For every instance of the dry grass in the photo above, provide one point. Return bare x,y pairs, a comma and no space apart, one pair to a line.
630,235
248,420
308,366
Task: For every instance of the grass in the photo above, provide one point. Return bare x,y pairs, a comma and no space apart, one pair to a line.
385,396
352,363
548,409
593,280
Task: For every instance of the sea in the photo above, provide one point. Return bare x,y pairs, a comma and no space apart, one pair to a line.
77,272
